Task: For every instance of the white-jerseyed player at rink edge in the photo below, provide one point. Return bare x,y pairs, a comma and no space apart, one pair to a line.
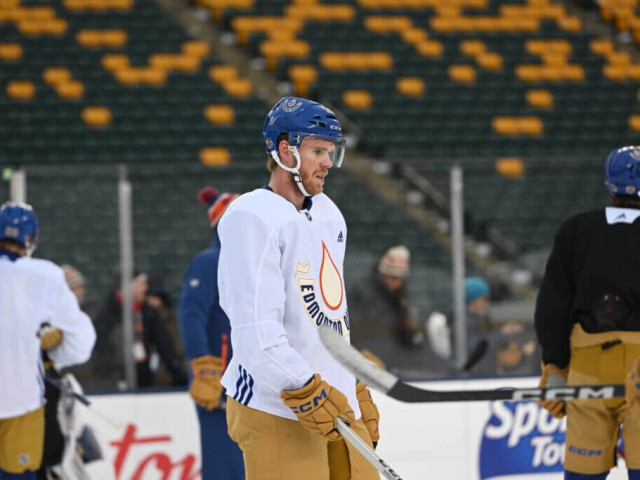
281,276
34,301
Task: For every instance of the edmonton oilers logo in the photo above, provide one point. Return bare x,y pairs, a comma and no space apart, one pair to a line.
291,105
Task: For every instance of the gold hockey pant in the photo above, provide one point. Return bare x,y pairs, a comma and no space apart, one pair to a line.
276,448
22,441
593,425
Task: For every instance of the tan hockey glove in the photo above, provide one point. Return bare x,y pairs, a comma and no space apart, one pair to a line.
317,405
49,336
206,388
369,410
632,383
553,376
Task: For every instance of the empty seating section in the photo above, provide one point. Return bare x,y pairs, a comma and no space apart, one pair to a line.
117,80
525,199
436,78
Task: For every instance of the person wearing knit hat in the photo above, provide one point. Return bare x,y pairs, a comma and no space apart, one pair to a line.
217,203
382,317
205,331
395,262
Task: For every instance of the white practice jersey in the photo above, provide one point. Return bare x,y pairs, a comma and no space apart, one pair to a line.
280,277
33,291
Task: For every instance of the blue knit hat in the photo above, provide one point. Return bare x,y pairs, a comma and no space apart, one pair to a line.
475,287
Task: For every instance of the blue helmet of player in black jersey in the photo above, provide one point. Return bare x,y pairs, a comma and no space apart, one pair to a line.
622,171
300,118
18,222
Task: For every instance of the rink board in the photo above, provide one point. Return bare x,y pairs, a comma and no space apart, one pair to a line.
158,436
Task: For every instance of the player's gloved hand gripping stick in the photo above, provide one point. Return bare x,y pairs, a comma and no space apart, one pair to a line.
553,376
317,406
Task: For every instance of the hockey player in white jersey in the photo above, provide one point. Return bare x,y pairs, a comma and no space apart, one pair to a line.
280,277
34,301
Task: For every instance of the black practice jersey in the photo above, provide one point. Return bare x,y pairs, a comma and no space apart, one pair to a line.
592,277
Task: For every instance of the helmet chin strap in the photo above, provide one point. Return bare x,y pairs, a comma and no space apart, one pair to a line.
294,170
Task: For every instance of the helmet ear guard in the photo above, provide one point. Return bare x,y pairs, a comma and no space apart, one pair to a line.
622,171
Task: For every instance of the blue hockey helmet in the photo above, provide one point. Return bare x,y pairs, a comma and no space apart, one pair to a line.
19,223
300,118
622,171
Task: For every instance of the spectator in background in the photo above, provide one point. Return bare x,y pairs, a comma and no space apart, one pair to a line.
441,327
159,298
516,350
205,332
383,321
76,282
151,340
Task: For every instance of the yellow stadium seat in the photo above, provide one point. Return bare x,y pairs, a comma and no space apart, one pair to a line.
531,125
20,90
215,156
114,61
570,24
196,48
490,61
239,87
539,98
223,73
220,114
430,48
153,76
574,73
510,167
462,73
472,47
186,63
618,58
56,75
634,122
529,73
114,38
302,77
379,61
96,116
507,126
10,51
617,73
601,46
128,76
410,86
70,89
414,36
332,61
357,99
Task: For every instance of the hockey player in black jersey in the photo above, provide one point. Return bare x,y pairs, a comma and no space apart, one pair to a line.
587,321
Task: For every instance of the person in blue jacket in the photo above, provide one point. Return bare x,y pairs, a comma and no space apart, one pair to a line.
205,333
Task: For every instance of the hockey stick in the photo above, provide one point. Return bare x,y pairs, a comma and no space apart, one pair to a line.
367,452
392,386
81,398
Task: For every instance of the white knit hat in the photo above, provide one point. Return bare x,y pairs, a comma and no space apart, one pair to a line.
395,262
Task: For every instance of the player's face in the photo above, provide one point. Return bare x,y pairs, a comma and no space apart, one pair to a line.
316,162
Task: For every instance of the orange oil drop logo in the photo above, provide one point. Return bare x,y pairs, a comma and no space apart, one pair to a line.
331,286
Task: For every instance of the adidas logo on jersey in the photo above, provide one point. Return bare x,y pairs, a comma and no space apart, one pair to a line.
622,215
340,237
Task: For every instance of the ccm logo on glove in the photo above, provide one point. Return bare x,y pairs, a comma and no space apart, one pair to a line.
308,406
